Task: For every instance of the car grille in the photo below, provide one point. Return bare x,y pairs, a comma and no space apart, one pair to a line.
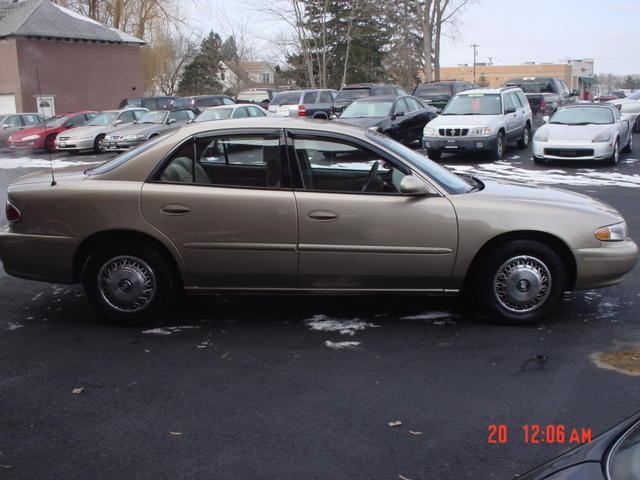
569,152
116,137
454,132
63,138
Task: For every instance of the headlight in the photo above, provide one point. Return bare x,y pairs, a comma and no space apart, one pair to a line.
542,135
602,137
430,132
30,137
612,233
482,131
134,137
83,137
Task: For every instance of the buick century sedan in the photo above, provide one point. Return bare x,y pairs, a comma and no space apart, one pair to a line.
286,205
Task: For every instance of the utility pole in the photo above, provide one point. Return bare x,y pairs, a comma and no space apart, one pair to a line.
491,60
475,54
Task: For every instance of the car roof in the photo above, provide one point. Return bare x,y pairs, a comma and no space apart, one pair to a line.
488,90
380,98
591,104
354,86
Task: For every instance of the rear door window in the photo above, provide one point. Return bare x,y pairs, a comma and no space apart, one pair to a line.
309,97
325,97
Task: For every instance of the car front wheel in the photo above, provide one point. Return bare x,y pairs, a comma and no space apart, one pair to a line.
498,149
523,142
128,284
613,159
520,282
434,155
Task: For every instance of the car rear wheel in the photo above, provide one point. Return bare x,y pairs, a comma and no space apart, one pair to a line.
498,149
434,155
520,282
97,144
615,155
128,284
523,142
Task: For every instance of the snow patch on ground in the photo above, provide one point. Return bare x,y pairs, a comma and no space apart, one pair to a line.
14,325
342,345
322,323
169,330
28,162
436,317
581,177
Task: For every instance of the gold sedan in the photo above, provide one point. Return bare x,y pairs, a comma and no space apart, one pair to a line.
288,205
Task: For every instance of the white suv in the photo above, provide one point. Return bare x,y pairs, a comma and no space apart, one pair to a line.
480,120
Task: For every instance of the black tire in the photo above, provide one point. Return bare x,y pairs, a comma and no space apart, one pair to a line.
135,266
539,161
527,264
49,143
434,155
636,125
629,147
523,142
613,159
96,144
498,150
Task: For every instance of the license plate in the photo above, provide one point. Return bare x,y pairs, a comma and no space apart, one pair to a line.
284,112
62,144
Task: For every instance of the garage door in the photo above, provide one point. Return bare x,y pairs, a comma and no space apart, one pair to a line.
7,104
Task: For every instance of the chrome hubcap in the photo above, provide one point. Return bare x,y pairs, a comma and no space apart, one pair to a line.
522,284
526,137
127,284
616,153
499,147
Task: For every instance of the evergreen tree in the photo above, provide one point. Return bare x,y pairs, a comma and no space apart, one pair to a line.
229,49
201,76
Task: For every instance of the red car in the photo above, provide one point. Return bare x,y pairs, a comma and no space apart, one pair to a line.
39,137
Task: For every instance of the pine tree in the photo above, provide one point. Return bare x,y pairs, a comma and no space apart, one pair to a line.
201,76
229,49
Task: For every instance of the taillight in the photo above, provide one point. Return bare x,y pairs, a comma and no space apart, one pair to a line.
13,214
302,111
543,104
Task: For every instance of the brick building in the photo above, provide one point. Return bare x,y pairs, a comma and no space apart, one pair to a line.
82,64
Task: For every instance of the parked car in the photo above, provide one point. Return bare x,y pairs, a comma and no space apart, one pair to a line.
482,120
351,93
15,122
288,205
612,455
150,125
312,103
402,118
200,102
90,135
232,111
259,96
545,94
583,132
150,103
607,97
43,136
438,94
630,108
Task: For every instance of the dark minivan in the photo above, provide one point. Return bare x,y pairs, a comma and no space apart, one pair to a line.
438,94
150,103
351,93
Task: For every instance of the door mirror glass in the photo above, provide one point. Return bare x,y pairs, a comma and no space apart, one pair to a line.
412,185
398,114
171,121
117,122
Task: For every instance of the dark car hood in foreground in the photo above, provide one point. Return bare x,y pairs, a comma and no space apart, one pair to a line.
364,122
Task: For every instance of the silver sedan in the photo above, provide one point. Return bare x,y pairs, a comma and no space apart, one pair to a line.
583,132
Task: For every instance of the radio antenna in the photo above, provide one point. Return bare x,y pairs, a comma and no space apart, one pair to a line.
44,121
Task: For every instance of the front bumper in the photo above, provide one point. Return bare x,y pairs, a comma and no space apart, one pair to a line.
120,145
75,144
572,150
605,265
21,146
38,257
459,144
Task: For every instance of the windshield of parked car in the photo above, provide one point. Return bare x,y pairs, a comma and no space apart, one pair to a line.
153,117
367,109
254,97
533,87
2,117
433,89
286,98
624,460
474,104
214,114
634,96
583,116
448,180
102,119
352,94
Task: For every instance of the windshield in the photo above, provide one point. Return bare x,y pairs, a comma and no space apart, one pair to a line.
153,117
104,118
2,117
634,96
287,98
214,114
624,460
367,109
474,104
352,94
255,97
433,89
533,87
583,116
56,121
448,180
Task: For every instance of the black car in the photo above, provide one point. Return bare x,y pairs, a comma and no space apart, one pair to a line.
150,103
614,455
258,96
402,118
351,93
198,103
545,94
438,94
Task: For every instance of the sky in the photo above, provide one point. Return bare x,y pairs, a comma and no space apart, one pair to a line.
510,31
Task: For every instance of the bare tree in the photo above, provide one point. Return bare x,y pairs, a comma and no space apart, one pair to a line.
164,59
349,36
445,12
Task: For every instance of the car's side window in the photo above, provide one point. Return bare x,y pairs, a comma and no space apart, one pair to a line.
523,100
401,107
508,102
515,100
256,112
127,117
309,97
13,121
413,104
228,101
241,112
335,165
77,120
32,119
326,97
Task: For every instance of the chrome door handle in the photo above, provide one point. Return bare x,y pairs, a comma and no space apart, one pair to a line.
323,215
176,209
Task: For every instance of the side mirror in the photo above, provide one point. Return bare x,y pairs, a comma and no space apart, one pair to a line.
171,121
117,122
398,114
5,126
509,110
545,119
575,93
412,185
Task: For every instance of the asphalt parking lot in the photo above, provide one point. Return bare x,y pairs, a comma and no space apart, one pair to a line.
256,386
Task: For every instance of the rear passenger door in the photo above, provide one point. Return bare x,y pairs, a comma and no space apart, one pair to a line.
512,115
224,199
